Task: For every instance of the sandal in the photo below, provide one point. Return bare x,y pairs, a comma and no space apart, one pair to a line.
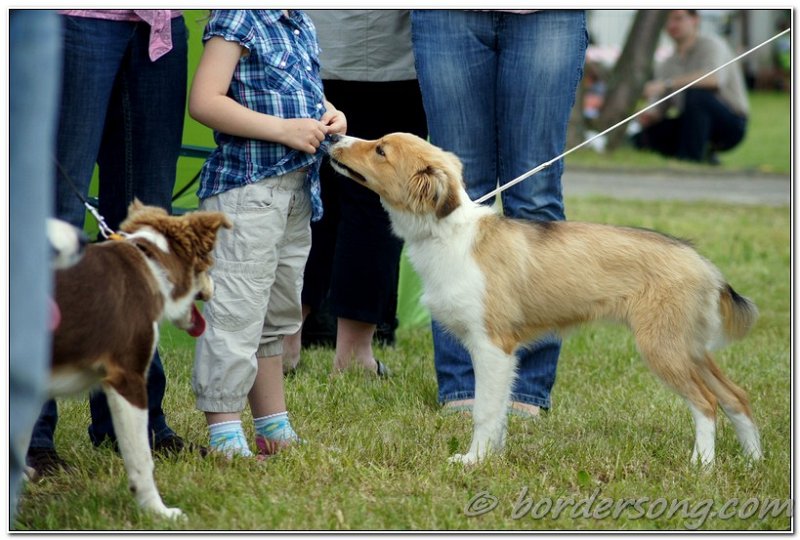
382,371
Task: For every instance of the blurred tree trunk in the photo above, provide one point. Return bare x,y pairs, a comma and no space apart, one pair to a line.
632,70
576,128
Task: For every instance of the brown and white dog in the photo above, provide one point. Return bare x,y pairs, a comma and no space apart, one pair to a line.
498,283
112,301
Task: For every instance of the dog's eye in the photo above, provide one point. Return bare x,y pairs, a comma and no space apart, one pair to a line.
379,150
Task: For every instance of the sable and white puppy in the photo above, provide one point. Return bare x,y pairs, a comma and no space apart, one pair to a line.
498,283
112,301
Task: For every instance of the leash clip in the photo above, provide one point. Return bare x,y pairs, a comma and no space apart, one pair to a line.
105,230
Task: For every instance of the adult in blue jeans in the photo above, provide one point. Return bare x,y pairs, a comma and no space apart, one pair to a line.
122,106
34,79
498,88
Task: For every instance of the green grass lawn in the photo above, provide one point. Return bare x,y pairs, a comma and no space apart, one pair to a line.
765,149
377,450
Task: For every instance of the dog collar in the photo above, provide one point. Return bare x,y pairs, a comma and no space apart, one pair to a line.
117,236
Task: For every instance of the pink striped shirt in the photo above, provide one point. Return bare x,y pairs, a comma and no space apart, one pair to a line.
160,21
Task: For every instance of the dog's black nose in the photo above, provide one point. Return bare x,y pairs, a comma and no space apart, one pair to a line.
334,137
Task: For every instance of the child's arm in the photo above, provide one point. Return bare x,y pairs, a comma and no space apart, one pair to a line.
209,104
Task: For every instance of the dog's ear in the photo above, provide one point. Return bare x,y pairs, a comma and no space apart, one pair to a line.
454,167
193,235
140,215
135,206
204,227
435,186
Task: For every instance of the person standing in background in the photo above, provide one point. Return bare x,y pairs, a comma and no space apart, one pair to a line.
498,88
123,101
367,68
34,79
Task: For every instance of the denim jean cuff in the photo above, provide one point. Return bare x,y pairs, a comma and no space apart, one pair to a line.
455,396
543,403
157,431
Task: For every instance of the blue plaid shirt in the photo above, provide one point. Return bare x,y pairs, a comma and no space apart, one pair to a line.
279,77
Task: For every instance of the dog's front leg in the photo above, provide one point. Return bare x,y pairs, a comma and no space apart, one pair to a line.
130,425
494,376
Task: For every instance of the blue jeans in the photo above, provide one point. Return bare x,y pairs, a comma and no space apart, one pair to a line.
498,89
706,123
125,113
34,74
121,111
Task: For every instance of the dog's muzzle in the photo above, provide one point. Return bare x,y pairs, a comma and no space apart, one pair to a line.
206,288
343,169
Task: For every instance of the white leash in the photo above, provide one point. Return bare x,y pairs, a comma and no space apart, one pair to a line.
519,179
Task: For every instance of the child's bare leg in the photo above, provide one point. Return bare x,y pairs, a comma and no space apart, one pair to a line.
268,403
266,397
292,345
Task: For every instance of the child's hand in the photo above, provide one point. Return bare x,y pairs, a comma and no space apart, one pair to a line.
335,121
304,134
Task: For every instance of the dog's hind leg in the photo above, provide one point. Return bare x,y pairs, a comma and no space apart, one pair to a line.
494,375
679,373
733,401
127,401
705,428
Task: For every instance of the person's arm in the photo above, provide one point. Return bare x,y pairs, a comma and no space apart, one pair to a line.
664,85
658,88
210,105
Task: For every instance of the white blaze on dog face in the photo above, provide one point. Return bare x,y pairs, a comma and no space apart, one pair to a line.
407,172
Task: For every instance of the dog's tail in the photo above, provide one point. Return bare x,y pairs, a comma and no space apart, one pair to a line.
739,314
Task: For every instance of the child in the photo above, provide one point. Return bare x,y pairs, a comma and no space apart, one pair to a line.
258,87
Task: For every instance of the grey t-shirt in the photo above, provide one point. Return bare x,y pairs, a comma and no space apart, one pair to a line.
372,45
707,54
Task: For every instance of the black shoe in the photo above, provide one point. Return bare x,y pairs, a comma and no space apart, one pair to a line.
172,445
45,462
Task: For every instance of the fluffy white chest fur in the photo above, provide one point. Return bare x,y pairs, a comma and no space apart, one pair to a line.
441,251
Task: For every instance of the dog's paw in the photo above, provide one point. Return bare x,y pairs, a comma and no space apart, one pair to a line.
464,459
163,511
172,513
